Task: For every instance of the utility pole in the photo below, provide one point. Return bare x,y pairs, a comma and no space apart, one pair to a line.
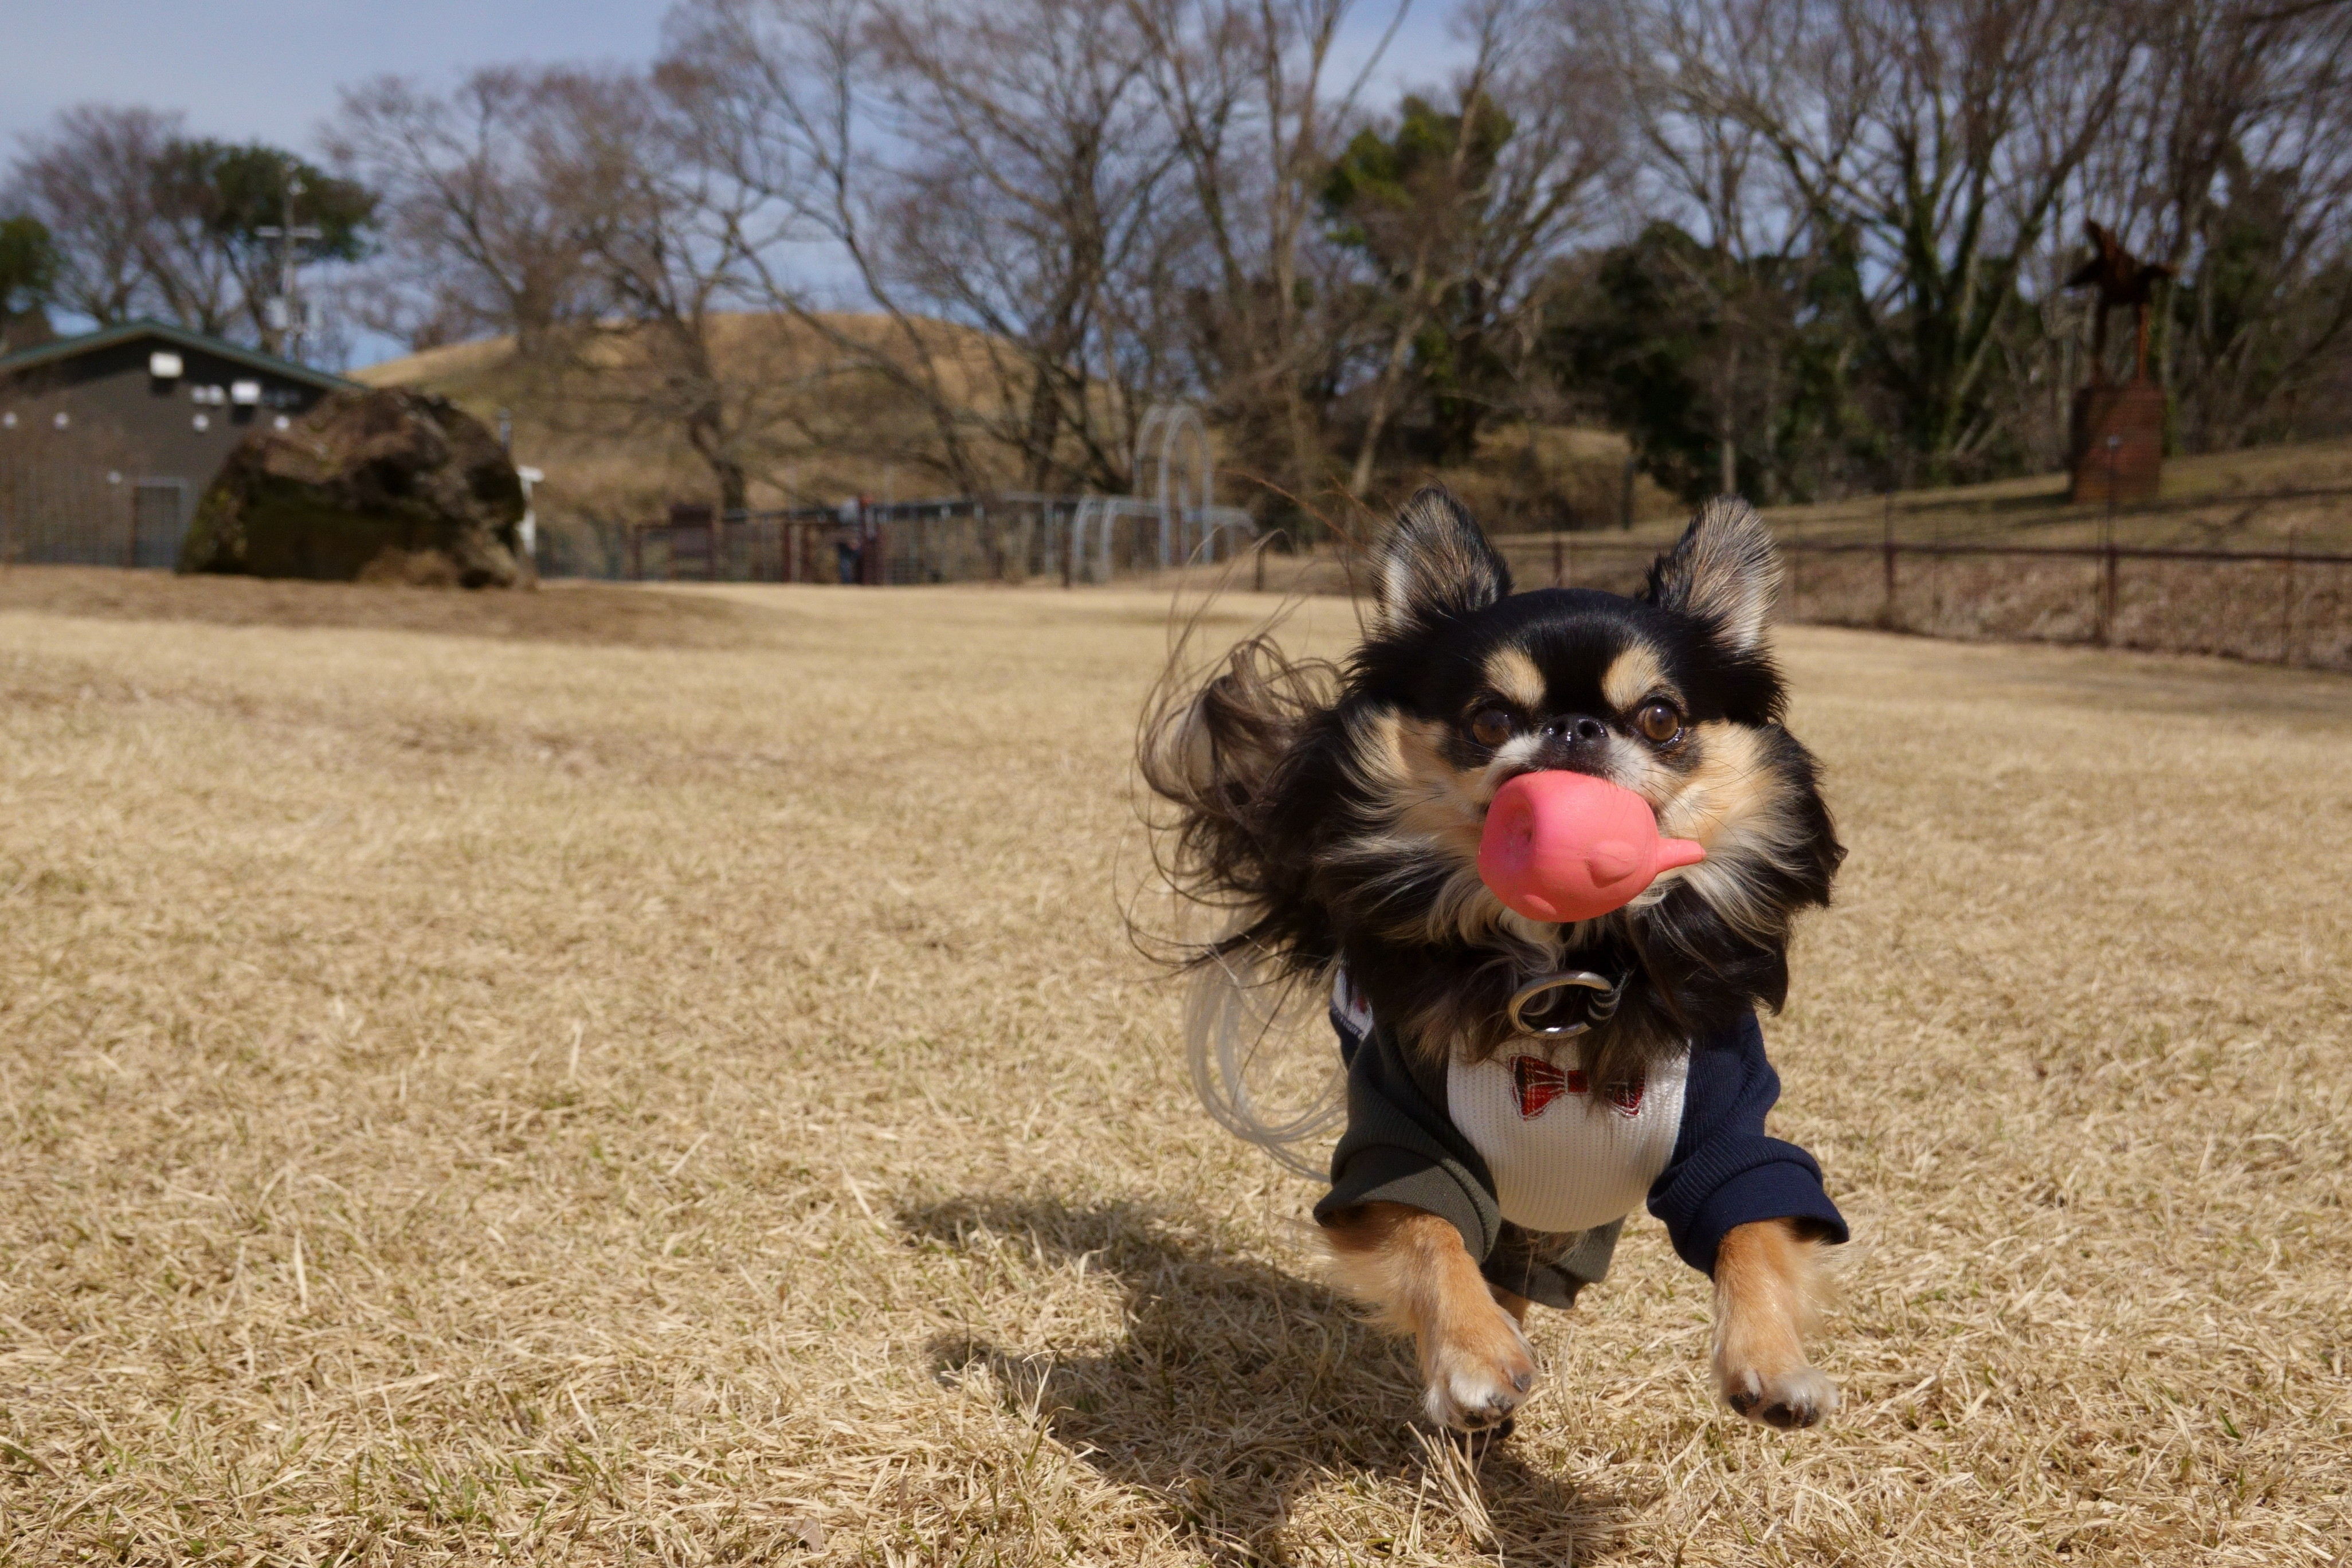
286,319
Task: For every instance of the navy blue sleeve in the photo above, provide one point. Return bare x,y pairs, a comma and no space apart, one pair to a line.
1724,1172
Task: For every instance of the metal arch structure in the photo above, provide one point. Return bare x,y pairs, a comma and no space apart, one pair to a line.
1103,513
1173,423
1172,451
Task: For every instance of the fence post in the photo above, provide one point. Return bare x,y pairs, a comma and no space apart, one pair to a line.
2107,598
2286,604
2106,618
2108,589
1935,576
1886,540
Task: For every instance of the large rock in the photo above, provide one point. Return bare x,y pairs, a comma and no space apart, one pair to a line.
381,485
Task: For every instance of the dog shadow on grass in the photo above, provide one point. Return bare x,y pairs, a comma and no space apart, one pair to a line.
1237,1389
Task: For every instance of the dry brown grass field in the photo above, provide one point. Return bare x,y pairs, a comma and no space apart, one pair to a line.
475,1089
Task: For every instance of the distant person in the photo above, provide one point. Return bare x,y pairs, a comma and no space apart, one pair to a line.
848,545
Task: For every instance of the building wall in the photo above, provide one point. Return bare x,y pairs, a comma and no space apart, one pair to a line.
118,481
163,428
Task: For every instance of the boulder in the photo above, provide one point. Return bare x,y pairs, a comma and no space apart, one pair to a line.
382,485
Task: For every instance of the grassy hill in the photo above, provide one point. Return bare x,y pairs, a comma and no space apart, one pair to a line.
823,430
605,418
600,428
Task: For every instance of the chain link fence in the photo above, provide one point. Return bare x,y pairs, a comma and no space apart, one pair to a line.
1005,539
80,502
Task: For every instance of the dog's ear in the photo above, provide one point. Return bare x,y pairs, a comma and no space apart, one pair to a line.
1723,572
1435,563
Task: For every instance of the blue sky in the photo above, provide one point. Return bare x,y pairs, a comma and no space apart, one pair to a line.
268,69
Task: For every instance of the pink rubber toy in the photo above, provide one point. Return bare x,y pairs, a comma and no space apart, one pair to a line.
1568,847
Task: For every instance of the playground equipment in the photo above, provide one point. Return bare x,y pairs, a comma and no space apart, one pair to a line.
1181,521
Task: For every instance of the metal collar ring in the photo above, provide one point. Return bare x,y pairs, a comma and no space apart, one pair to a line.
1565,979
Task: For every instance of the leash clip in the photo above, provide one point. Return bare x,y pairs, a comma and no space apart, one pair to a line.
1597,1010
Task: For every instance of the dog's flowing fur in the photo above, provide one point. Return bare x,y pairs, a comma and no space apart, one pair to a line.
1333,814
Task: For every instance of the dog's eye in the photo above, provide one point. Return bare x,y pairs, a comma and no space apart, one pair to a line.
1491,726
1658,721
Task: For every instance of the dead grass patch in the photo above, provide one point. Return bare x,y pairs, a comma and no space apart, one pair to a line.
595,614
463,1099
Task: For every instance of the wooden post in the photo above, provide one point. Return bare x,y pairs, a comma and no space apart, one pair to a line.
2107,584
1886,540
2286,603
1934,576
2106,565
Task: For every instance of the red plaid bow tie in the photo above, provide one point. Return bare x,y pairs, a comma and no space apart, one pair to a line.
1537,1083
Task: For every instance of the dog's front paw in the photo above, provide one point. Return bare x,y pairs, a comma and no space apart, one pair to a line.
1478,1372
1798,1397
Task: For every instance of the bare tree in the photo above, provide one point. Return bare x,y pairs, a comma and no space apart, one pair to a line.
1028,210
1016,223
145,219
482,221
672,244
90,181
1247,91
2240,148
1462,210
573,209
1713,174
782,105
1936,138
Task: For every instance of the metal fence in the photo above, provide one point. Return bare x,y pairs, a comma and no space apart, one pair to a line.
2285,605
2289,606
1008,538
60,515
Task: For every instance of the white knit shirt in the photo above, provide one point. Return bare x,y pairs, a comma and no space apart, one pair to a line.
1564,1158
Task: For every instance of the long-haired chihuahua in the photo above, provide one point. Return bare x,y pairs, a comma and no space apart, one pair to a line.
1515,1087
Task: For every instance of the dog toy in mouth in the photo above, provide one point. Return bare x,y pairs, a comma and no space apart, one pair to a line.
1563,847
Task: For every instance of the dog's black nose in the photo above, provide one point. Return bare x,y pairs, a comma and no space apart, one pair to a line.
1575,728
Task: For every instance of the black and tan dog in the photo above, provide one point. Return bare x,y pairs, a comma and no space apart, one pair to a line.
1516,1088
